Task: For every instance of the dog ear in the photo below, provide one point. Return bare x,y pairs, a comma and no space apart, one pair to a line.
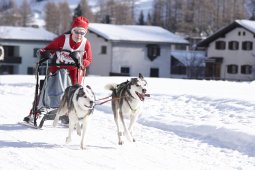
134,81
141,76
88,87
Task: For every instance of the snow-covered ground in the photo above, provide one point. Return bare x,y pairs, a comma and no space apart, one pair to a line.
185,124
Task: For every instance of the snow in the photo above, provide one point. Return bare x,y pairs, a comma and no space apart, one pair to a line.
185,124
135,33
25,33
249,24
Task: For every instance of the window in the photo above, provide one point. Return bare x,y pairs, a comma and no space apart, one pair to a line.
124,70
154,72
247,45
246,69
177,67
153,51
103,49
9,51
35,52
220,45
232,69
30,70
180,46
233,45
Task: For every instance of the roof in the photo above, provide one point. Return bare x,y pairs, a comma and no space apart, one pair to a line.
136,33
25,33
246,24
185,57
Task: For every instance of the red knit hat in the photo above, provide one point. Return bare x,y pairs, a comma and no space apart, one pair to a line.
80,22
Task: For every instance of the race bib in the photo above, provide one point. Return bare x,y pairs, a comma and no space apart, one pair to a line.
64,57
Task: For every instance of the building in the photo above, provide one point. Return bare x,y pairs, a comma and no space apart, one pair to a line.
117,49
132,49
20,45
230,52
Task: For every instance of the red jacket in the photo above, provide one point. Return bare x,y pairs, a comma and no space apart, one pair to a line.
58,44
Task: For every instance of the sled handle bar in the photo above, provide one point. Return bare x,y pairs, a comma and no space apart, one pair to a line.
72,56
43,64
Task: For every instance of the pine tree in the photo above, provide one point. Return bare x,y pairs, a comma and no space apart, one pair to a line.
84,10
149,19
78,11
141,19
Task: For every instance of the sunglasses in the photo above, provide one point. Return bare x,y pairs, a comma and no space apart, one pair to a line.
79,32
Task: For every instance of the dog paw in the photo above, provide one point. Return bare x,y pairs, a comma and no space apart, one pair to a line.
68,140
55,122
121,142
83,147
78,129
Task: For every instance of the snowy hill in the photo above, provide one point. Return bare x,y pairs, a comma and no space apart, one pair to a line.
185,124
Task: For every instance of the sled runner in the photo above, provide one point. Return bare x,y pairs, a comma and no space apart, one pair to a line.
49,91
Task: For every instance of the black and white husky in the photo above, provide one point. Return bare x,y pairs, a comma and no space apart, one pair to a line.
78,103
127,100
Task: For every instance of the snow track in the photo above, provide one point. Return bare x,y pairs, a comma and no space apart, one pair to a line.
178,130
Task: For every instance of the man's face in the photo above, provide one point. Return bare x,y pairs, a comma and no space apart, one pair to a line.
78,34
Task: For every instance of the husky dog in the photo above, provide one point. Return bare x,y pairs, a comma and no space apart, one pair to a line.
78,103
127,99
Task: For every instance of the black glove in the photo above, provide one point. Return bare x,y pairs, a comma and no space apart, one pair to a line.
78,65
46,54
73,55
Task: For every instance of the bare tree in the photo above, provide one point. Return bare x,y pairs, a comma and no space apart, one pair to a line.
10,15
52,18
25,13
65,17
122,14
195,65
131,4
115,11
157,18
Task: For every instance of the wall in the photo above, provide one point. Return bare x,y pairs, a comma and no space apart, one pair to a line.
101,64
134,56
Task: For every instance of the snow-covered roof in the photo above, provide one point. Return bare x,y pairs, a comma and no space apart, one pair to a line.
248,24
185,57
25,33
135,33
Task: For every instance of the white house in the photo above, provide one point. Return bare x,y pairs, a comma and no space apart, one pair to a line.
132,49
20,45
230,52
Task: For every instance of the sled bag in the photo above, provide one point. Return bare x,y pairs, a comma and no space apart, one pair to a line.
53,89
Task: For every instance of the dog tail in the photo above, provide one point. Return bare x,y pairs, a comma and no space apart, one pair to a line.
111,86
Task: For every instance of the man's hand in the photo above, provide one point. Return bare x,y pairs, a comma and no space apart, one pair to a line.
46,54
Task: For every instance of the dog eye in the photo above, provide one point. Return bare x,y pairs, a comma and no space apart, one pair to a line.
137,85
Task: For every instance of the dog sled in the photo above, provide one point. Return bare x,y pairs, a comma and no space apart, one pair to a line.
50,89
